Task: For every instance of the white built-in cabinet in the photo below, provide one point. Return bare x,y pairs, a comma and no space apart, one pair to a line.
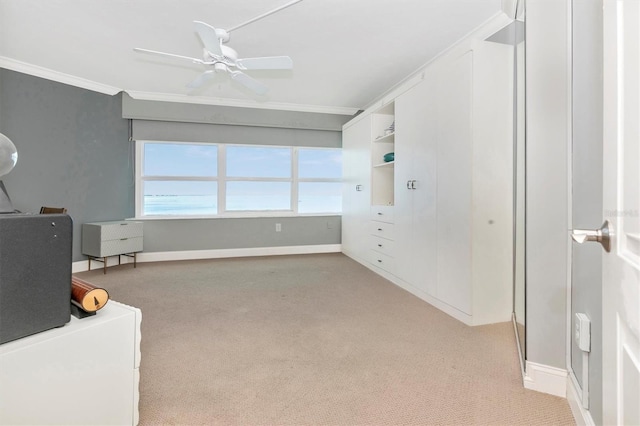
84,373
415,195
356,188
440,219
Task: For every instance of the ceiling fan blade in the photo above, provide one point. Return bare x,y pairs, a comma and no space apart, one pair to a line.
171,55
248,82
201,79
266,63
209,37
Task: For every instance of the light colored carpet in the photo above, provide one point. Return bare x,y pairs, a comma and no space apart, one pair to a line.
313,340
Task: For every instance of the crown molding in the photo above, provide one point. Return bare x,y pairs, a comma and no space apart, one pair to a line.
60,77
206,100
72,80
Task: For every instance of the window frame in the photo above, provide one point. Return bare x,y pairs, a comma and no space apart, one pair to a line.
222,180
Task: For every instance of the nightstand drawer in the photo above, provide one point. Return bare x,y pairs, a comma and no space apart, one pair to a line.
121,246
105,231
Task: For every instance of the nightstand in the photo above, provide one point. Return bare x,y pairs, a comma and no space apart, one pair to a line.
104,239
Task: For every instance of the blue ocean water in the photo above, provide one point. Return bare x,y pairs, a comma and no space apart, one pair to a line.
206,205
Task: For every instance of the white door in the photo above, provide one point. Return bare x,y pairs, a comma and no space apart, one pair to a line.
356,188
415,179
454,171
621,195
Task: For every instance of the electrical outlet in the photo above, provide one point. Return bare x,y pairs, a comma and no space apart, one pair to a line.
278,227
583,332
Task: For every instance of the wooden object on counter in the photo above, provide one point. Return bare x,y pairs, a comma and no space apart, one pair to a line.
89,297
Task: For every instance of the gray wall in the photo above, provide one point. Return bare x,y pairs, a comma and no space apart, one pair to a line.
74,151
547,180
206,234
586,283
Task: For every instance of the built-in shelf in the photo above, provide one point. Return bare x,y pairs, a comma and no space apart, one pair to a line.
382,144
387,164
385,139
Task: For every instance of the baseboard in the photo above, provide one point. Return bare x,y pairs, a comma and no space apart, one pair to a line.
581,415
166,256
546,379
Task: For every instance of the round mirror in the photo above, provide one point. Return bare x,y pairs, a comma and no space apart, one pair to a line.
8,155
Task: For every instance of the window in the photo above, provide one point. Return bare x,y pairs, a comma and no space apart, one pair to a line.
319,176
179,179
208,180
258,178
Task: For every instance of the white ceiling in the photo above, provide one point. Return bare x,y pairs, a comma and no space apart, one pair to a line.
345,52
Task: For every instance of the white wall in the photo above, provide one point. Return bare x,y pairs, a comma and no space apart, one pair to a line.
547,67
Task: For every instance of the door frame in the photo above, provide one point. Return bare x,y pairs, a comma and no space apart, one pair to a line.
574,392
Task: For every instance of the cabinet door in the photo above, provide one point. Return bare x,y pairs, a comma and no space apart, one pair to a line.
454,171
356,191
415,192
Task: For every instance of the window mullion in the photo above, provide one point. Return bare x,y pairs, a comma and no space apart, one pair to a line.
222,178
294,180
138,188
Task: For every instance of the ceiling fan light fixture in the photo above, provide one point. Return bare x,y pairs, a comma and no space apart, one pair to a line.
222,58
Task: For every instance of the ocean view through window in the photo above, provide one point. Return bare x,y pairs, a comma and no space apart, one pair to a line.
209,180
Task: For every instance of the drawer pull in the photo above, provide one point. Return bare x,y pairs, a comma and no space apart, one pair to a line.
123,224
380,213
379,245
380,261
123,239
379,229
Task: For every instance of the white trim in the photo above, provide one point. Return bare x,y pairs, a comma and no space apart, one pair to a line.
72,80
57,76
166,256
448,309
486,29
569,243
520,349
546,379
240,103
509,8
581,415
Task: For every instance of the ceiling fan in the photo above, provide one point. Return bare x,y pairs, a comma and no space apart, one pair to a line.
223,59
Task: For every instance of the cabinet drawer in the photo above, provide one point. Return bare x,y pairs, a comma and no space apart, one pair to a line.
381,229
124,245
383,261
115,230
382,245
382,213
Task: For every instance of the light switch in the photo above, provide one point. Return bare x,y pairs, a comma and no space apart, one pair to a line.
583,332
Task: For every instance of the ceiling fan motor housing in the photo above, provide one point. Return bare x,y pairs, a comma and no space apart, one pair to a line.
223,35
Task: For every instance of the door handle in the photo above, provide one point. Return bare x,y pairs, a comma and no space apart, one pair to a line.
413,184
602,236
408,184
358,187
